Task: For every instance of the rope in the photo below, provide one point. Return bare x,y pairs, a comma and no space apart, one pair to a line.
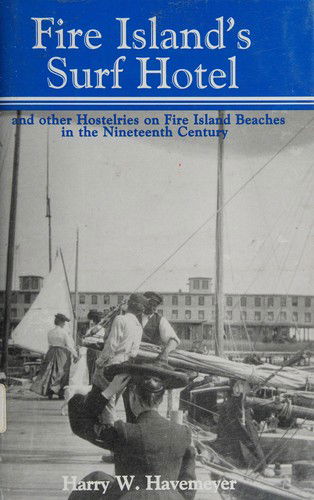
229,200
200,407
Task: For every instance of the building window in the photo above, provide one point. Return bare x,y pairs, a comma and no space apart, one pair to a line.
174,314
308,318
187,314
294,301
120,299
188,300
196,284
229,301
257,315
283,301
243,315
283,316
27,298
14,312
229,315
201,300
186,333
160,312
201,315
174,300
307,301
206,332
257,302
295,316
205,284
82,299
270,301
213,300
94,299
34,283
25,283
243,301
14,298
2,298
270,315
106,299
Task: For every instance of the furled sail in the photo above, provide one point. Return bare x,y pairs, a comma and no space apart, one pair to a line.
286,378
54,297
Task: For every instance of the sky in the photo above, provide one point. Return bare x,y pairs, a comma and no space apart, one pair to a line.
134,201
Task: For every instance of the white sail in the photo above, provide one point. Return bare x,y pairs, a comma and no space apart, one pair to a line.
54,297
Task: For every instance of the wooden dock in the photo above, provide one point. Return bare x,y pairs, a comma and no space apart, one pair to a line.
38,449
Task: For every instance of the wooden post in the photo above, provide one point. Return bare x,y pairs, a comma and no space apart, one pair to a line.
219,293
75,322
48,207
10,250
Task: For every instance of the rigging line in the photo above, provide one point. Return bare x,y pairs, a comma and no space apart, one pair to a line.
272,230
233,282
200,407
300,257
295,229
229,200
281,445
236,304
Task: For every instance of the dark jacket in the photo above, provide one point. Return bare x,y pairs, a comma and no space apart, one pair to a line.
151,333
151,446
232,435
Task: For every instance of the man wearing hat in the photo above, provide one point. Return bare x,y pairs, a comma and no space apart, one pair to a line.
123,343
236,430
157,329
54,372
151,450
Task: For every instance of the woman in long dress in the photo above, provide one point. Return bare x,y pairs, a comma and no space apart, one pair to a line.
54,372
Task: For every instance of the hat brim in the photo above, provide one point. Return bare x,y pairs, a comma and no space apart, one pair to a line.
171,379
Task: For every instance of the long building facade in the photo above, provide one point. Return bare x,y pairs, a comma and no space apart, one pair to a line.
258,317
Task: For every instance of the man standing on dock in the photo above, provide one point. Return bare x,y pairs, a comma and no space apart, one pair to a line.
156,328
158,331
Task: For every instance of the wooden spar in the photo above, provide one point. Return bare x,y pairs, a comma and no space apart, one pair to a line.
219,293
294,411
48,207
66,277
10,250
76,288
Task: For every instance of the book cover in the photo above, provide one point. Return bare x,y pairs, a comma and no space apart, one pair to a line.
156,183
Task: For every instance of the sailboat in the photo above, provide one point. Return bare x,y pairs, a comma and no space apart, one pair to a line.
297,445
54,297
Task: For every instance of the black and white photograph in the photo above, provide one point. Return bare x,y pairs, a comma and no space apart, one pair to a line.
157,304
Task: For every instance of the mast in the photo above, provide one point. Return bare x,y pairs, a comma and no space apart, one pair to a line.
48,208
10,250
219,292
76,287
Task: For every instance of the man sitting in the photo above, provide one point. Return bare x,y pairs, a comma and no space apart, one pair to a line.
149,449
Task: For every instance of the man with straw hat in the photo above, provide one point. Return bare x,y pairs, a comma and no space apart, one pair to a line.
147,452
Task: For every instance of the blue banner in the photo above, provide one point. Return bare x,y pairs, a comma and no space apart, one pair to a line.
156,54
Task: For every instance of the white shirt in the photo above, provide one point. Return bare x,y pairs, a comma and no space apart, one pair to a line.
165,329
123,341
59,337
